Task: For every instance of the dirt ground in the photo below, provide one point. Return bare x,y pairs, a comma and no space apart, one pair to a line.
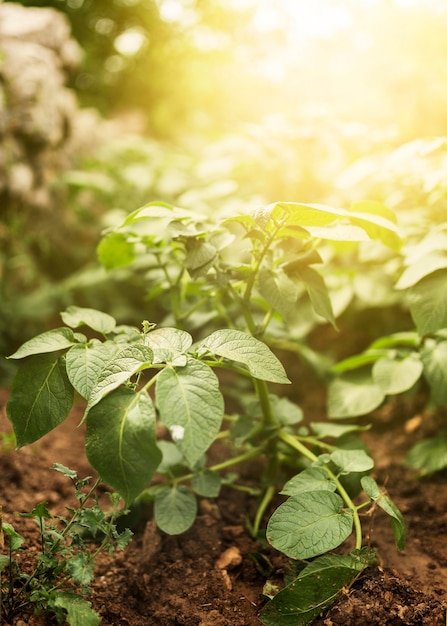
174,581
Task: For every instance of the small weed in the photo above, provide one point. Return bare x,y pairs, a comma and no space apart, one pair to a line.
59,580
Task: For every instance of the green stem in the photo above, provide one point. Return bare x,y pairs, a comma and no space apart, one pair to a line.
297,445
253,453
266,499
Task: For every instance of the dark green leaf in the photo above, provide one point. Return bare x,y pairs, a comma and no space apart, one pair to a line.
309,524
434,359
429,455
120,441
41,397
315,589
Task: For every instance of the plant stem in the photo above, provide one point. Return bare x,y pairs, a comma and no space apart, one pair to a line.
297,445
266,499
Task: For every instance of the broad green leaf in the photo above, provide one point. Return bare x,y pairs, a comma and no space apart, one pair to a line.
15,539
375,223
429,455
175,510
199,256
329,429
318,293
348,461
431,262
115,250
353,394
85,362
314,478
171,459
120,441
51,341
434,359
76,316
428,303
315,589
286,412
167,344
372,489
41,397
79,610
243,348
378,221
191,406
280,291
396,376
309,524
207,483
125,364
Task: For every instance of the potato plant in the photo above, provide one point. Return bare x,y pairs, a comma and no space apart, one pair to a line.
157,399
404,361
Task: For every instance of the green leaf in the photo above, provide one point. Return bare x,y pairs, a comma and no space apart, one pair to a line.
41,397
85,362
15,539
127,362
115,250
175,510
236,345
353,394
318,293
199,256
51,341
315,589
429,455
120,441
4,562
191,406
81,568
167,344
359,360
280,291
76,316
373,490
286,412
309,524
207,483
314,478
434,359
348,461
79,610
396,376
428,303
431,262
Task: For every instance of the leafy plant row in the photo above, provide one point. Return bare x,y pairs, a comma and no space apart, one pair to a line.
237,286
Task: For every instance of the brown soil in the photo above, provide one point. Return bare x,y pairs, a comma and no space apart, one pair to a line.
175,581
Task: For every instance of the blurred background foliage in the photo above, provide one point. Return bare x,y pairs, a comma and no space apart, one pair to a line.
224,105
